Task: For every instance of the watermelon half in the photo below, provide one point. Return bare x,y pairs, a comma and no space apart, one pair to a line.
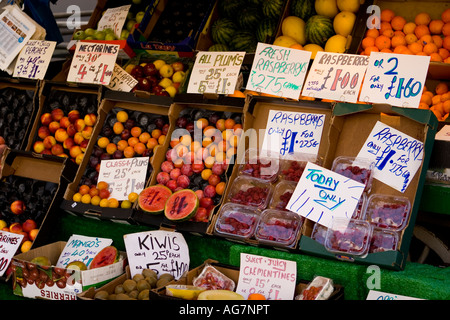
153,199
105,257
181,205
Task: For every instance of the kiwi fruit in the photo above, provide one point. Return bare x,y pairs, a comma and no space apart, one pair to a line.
167,276
119,289
122,296
129,285
133,294
149,273
138,277
102,294
144,295
142,285
151,281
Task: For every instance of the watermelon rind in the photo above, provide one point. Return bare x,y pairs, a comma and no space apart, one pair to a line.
181,205
153,199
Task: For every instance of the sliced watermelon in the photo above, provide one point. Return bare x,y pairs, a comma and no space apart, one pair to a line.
153,199
181,205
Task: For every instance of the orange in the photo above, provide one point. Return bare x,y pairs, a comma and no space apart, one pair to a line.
372,33
445,96
367,42
437,40
447,60
435,26
401,49
439,107
398,22
399,33
446,29
229,123
425,98
444,53
240,94
410,38
386,50
409,27
382,42
441,88
436,99
387,15
445,15
422,18
446,43
384,26
446,106
430,48
421,30
435,57
294,46
398,41
426,39
388,33
427,92
437,113
405,50
424,106
256,296
369,50
102,185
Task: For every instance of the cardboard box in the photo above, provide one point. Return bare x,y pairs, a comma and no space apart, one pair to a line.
143,39
349,128
50,174
158,105
231,272
256,115
409,9
22,109
72,284
182,102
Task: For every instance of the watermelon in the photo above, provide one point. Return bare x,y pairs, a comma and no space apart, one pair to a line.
244,41
219,47
105,257
153,199
223,30
303,9
273,8
319,29
181,205
265,29
249,18
230,8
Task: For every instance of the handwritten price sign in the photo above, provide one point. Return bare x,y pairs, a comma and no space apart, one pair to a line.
9,243
114,18
293,133
161,251
322,195
278,70
273,278
336,76
397,156
121,80
215,72
34,59
93,63
124,176
396,79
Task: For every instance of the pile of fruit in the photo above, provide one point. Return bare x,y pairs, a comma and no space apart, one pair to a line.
241,25
318,25
125,134
438,101
158,76
424,36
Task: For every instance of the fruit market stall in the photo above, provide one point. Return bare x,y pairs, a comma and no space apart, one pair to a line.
229,150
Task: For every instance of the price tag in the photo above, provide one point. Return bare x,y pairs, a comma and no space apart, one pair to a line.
278,70
397,156
93,63
395,79
9,244
15,31
121,80
81,248
215,72
379,295
160,250
322,195
114,18
34,59
273,278
293,133
124,176
336,76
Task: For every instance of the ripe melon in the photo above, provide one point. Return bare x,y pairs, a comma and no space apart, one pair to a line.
343,23
336,44
326,8
313,48
181,205
219,295
294,27
153,199
284,41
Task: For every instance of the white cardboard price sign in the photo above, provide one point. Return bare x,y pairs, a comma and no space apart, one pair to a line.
395,79
121,80
322,195
15,31
336,76
215,72
273,278
9,243
114,18
293,133
124,176
379,295
278,70
81,248
397,156
160,250
34,59
93,62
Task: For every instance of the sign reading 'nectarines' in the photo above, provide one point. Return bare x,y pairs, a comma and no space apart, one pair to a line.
9,243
